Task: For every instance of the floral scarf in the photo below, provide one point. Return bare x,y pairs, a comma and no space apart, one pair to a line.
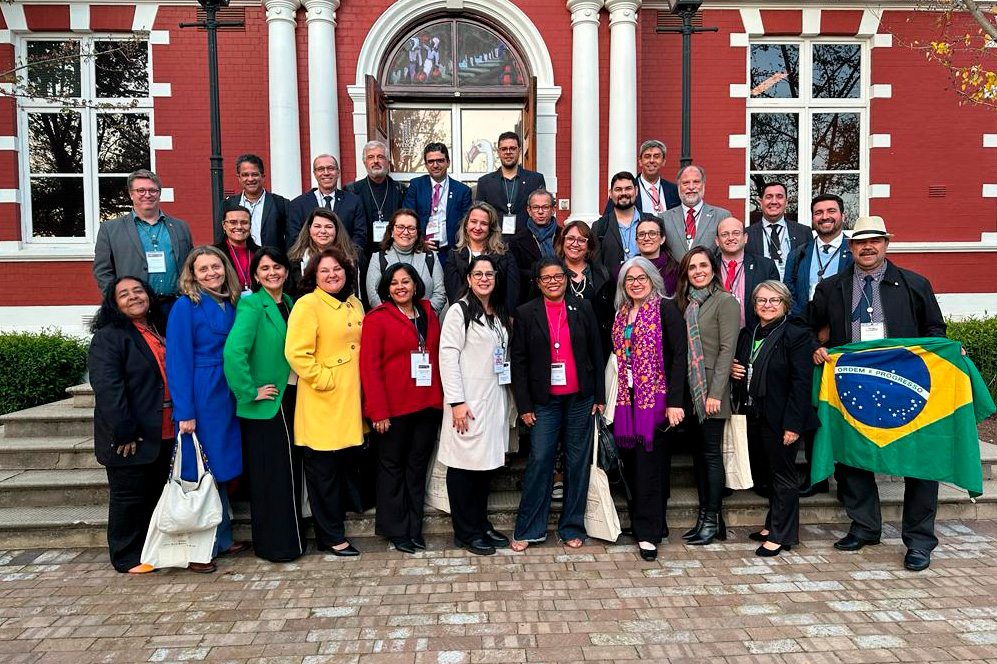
635,422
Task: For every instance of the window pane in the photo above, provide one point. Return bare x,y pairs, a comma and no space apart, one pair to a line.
792,193
835,141
410,130
844,185
114,200
425,58
121,68
479,128
837,71
775,141
54,68
57,207
54,143
485,59
122,142
775,71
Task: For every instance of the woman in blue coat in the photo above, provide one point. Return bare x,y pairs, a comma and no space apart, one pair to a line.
198,326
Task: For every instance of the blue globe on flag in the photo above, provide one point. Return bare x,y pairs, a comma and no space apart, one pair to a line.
883,388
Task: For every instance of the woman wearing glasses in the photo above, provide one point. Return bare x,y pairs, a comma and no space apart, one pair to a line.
772,378
587,280
480,234
649,341
477,406
238,245
651,245
403,243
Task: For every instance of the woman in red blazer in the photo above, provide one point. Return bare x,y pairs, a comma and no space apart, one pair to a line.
403,398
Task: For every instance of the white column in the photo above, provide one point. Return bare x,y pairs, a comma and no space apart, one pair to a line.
622,85
586,190
323,100
285,134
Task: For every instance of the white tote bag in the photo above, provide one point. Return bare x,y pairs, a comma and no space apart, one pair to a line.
601,519
189,507
737,468
436,483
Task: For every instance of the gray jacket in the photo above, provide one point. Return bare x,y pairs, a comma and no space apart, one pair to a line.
119,252
706,230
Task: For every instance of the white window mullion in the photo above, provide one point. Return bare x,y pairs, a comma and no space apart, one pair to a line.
91,192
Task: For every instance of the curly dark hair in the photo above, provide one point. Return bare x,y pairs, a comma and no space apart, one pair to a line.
110,315
384,284
309,279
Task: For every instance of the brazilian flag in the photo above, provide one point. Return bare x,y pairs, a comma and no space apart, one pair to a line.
902,407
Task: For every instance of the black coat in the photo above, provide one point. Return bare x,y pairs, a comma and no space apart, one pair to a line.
675,351
455,276
788,375
347,207
491,189
392,201
273,232
669,189
607,233
531,354
798,234
128,395
604,290
526,251
756,269
909,306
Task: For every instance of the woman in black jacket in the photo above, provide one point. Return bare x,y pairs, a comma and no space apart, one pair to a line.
133,427
773,372
480,234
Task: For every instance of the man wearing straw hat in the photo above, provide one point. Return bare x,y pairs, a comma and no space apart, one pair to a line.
875,299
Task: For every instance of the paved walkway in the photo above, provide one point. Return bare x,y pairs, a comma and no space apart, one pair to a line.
599,604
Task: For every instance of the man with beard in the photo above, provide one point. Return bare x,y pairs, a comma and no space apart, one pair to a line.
654,194
345,205
268,211
828,254
616,230
694,222
775,237
379,193
507,188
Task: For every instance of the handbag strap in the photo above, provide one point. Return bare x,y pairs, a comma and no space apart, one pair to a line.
177,463
595,439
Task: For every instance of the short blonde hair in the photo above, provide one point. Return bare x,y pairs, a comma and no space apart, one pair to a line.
779,289
188,284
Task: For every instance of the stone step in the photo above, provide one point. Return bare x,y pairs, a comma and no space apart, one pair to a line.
71,452
53,488
59,419
82,396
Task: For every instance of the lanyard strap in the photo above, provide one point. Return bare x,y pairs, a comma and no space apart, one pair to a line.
560,319
242,273
822,266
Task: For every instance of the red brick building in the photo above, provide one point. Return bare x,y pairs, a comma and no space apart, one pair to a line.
827,99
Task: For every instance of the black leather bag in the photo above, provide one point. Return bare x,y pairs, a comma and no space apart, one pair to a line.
608,456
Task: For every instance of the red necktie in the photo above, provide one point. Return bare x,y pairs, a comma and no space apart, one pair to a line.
731,275
690,224
436,196
654,197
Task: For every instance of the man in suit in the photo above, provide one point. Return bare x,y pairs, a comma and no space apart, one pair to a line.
824,257
347,206
616,230
507,188
145,243
439,200
654,193
775,237
741,270
874,299
268,211
693,222
534,241
379,193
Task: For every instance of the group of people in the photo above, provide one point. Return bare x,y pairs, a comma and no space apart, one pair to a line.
421,320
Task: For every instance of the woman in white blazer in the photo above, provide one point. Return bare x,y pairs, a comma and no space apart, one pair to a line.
476,376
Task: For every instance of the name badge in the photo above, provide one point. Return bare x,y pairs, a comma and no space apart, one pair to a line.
558,374
379,228
508,224
498,360
417,360
432,228
505,374
245,293
156,260
424,375
872,331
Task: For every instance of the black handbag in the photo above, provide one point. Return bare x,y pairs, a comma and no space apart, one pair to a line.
608,456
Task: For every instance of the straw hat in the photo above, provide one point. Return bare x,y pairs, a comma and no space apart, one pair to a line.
869,227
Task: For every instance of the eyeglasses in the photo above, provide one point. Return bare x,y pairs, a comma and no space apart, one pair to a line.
541,208
326,169
768,300
406,230
548,279
730,235
514,148
576,240
639,279
478,275
434,162
146,192
648,235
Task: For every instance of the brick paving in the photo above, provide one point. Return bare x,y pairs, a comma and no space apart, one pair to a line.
550,604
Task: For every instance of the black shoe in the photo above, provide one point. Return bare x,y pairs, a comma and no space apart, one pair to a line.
648,554
479,546
692,532
852,543
768,553
664,532
403,544
713,529
820,487
627,532
496,539
728,492
419,542
917,561
758,537
348,551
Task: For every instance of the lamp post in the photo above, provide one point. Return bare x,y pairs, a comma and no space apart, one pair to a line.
211,24
686,10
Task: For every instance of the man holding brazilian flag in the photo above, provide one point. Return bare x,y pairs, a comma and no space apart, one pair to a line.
894,395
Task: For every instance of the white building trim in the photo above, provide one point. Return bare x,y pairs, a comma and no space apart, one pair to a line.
285,134
323,96
13,16
145,17
622,152
79,18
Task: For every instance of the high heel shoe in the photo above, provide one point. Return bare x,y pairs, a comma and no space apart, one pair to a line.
713,529
769,553
692,532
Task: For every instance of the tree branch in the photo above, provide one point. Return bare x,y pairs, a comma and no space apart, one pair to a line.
974,10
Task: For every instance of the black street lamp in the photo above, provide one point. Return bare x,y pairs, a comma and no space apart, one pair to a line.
686,10
211,24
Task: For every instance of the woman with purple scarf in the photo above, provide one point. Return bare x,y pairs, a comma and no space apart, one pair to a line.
649,341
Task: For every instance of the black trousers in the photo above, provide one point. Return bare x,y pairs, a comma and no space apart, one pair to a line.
861,497
707,460
134,492
324,475
783,518
468,492
665,440
403,453
643,471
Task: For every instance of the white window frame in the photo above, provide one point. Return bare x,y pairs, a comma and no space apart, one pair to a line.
806,106
88,94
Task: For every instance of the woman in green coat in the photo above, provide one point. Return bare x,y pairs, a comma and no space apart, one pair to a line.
264,389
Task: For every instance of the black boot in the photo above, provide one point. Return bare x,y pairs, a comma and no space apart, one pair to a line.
713,528
692,532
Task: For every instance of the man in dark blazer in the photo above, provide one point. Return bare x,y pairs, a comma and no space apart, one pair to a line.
616,230
268,210
527,246
870,299
741,270
439,200
379,193
803,271
694,222
654,193
775,237
347,206
507,188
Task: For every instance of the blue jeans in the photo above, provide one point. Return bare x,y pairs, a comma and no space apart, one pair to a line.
223,533
574,415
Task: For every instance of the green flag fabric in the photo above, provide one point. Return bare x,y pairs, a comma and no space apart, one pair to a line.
902,407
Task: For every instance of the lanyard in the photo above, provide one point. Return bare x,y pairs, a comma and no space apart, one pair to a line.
560,319
498,333
380,206
415,324
657,187
772,243
631,229
243,274
252,206
510,194
147,231
756,349
822,266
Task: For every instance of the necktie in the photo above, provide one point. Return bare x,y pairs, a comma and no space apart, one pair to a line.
655,200
328,202
827,248
731,275
690,224
436,196
862,311
775,246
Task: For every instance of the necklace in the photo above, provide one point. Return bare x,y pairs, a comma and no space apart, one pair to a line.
380,206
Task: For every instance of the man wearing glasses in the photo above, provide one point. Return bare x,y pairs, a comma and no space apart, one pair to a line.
740,270
144,243
506,188
345,205
534,241
694,222
439,200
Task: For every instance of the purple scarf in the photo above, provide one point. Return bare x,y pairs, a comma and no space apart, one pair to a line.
635,422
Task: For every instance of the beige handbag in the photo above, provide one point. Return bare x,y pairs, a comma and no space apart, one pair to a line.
601,518
737,467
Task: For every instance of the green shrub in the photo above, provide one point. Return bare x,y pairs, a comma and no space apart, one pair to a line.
36,368
979,338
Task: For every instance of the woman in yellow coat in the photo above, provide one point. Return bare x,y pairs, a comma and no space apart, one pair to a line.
323,348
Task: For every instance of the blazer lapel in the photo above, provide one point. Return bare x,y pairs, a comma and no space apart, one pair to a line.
845,291
540,319
143,346
214,315
273,315
132,233
269,211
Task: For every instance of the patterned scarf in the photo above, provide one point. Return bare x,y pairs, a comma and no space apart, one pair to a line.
544,235
697,366
635,422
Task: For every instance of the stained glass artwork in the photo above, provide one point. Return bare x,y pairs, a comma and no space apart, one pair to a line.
424,58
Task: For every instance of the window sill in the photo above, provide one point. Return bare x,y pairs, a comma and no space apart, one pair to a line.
15,251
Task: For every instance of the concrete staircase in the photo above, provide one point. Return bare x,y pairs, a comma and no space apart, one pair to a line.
54,494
